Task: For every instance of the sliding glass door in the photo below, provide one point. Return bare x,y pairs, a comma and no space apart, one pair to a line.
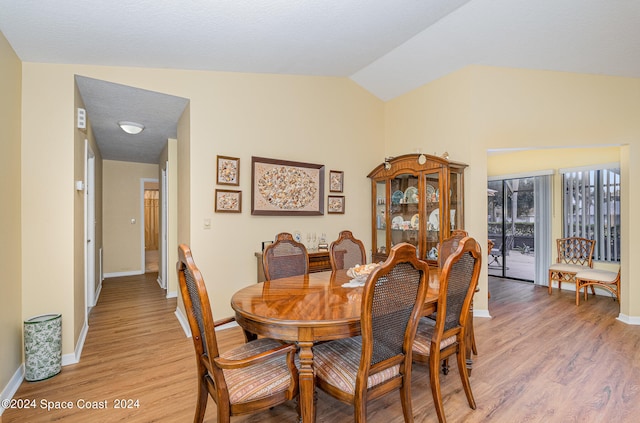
511,228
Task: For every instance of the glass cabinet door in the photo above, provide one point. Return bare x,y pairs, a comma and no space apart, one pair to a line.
433,209
456,200
403,210
380,232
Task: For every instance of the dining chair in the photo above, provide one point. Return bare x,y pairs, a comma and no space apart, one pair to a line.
446,335
253,377
362,368
285,257
448,247
346,252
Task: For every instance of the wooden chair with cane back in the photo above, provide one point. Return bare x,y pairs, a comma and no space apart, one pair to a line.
446,336
346,252
359,369
448,247
285,257
253,377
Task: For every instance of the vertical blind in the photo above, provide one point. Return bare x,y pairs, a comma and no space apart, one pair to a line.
591,208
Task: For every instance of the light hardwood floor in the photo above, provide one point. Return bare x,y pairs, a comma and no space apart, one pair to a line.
541,359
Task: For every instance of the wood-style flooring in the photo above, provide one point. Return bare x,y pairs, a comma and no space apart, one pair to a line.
541,359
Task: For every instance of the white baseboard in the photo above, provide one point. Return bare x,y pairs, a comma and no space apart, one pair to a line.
184,322
75,357
12,387
119,274
228,326
96,295
481,313
630,320
172,294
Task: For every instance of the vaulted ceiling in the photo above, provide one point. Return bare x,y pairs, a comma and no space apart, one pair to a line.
387,47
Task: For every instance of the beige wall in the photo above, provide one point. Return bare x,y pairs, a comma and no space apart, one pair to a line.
123,241
10,220
314,119
483,108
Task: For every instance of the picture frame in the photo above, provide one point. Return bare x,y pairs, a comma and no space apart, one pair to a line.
286,188
335,204
228,201
227,170
336,181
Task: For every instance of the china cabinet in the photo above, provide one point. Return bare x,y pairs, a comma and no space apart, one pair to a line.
418,199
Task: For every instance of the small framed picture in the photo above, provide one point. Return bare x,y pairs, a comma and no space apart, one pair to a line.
335,204
228,170
336,181
228,201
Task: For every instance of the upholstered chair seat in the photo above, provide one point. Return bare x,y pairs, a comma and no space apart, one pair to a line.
337,364
424,334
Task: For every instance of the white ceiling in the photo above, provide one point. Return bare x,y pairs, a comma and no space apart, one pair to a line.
389,47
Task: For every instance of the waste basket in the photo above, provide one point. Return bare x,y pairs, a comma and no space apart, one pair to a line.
42,346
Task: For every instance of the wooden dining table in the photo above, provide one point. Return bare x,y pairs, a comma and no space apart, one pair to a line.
307,309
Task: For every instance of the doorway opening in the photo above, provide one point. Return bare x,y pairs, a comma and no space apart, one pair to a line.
151,226
512,228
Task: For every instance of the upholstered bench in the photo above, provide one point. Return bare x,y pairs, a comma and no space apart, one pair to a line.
595,277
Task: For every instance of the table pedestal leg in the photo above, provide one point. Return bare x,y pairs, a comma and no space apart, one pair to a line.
307,383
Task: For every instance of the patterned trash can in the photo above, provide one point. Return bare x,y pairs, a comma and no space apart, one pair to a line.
42,347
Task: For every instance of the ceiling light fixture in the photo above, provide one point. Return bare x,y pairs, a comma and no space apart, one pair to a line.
131,127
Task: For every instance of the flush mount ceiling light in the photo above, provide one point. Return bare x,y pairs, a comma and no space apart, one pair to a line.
131,127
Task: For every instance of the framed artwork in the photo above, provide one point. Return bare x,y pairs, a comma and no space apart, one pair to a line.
228,201
228,170
336,181
280,187
335,204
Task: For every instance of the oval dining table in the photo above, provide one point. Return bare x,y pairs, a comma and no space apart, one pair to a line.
307,309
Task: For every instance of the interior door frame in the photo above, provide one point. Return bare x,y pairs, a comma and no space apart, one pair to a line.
143,221
164,226
89,229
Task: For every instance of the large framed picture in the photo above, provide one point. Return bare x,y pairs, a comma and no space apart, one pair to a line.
335,204
336,181
228,170
228,201
280,187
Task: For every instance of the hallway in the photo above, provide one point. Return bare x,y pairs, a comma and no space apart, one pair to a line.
135,350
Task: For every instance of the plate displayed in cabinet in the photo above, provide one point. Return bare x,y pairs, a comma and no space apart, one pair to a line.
415,221
397,222
411,195
397,197
434,220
